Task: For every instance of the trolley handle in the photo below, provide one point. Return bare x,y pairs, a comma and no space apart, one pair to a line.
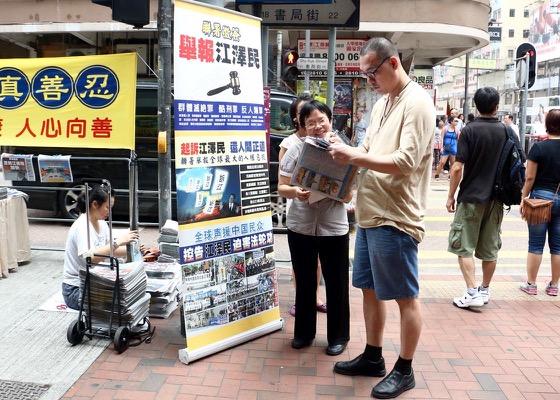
99,181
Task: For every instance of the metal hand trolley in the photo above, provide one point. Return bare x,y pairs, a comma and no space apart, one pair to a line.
123,335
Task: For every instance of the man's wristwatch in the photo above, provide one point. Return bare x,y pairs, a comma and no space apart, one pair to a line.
115,244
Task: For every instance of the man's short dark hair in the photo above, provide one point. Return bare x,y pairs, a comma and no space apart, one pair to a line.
381,46
486,100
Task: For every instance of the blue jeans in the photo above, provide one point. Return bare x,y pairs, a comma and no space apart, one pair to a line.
537,233
386,260
71,295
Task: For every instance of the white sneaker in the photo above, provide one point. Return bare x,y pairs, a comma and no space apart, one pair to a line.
485,293
466,300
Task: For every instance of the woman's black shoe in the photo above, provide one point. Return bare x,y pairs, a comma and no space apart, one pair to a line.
300,343
336,349
361,366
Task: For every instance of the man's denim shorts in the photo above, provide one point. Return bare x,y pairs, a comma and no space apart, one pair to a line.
386,260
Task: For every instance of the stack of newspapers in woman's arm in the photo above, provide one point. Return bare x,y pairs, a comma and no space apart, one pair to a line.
134,301
165,287
168,239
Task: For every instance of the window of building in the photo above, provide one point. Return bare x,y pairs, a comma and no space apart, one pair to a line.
526,13
512,12
525,33
510,53
509,98
511,33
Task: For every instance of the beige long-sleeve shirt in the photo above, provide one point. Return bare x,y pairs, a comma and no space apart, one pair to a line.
406,133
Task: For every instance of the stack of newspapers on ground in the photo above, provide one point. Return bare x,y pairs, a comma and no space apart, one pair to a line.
165,287
168,239
130,289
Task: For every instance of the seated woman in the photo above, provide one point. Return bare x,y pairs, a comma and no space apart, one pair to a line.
77,244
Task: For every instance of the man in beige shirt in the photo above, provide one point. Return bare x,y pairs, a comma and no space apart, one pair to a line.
396,157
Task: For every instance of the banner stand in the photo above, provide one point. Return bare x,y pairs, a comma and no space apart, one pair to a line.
186,356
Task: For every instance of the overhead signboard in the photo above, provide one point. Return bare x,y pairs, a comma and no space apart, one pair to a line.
343,14
544,20
480,63
495,33
346,55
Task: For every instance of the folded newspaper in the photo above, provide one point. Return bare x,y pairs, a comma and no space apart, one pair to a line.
318,172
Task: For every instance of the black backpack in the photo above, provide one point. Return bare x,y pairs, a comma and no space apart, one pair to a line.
510,174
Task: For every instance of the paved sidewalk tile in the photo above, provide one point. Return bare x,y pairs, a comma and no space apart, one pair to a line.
507,349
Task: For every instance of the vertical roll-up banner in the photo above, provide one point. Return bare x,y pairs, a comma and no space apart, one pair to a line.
223,192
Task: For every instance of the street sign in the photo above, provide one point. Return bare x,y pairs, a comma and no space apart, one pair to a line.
343,14
312,64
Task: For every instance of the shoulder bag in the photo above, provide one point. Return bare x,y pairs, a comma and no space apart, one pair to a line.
538,211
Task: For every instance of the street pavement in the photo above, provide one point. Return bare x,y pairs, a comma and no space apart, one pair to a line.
505,350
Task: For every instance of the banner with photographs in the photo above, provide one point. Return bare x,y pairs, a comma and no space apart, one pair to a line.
223,190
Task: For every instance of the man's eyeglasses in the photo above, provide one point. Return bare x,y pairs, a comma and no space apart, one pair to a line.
313,124
371,74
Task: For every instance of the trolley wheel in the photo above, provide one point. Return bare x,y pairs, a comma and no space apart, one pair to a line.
75,332
121,339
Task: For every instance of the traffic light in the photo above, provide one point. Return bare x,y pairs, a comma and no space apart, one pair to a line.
520,72
131,12
290,71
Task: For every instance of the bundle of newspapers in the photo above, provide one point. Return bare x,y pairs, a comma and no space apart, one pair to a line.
168,239
165,287
105,294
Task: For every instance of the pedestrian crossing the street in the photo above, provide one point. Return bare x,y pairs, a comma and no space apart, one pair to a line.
435,259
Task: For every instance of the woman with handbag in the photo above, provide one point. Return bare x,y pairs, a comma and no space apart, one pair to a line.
542,182
450,134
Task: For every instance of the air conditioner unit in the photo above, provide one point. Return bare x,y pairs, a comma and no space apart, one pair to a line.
141,49
80,52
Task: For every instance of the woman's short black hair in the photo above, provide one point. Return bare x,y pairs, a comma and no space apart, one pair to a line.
98,193
311,106
302,97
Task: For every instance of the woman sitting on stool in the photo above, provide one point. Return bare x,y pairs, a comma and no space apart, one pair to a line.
77,244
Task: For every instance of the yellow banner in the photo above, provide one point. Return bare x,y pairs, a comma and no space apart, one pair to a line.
86,102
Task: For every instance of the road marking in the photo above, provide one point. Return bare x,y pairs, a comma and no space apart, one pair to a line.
521,233
444,254
443,218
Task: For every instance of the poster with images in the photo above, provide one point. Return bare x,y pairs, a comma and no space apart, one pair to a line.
223,189
18,167
54,168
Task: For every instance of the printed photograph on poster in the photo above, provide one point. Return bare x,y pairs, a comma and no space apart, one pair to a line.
229,288
54,168
342,98
18,167
208,193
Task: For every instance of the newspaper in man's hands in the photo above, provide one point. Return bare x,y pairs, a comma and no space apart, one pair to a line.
318,172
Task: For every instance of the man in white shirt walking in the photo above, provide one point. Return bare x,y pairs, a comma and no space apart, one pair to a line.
508,120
